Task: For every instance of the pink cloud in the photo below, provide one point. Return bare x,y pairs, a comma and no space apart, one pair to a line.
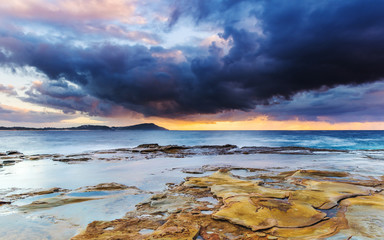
8,90
111,18
73,10
120,32
12,114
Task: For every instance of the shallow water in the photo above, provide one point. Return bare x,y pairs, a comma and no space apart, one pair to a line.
65,221
149,175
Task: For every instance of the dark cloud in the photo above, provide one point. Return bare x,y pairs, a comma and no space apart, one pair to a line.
361,103
23,116
69,98
292,47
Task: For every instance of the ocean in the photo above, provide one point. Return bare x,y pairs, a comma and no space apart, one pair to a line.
67,142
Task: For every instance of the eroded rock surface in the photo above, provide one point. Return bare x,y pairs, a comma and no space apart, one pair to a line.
246,209
365,216
13,197
264,213
53,202
104,190
147,151
110,187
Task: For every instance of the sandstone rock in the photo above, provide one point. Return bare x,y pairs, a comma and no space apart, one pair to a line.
264,213
53,202
118,229
36,193
317,173
34,158
151,145
12,152
320,230
9,162
168,204
177,227
223,184
66,197
365,216
249,210
77,159
110,187
326,195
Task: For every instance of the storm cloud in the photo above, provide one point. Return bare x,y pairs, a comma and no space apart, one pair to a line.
276,50
69,98
24,116
363,103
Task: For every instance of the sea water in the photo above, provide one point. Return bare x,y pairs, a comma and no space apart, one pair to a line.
66,142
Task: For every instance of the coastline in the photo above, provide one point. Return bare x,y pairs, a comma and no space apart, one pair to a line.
312,205
163,176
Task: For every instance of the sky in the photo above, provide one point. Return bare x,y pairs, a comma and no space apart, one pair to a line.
193,64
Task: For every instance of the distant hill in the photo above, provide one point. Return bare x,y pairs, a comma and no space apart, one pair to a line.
143,126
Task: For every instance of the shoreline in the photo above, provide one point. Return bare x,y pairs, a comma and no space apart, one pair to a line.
128,181
317,204
154,150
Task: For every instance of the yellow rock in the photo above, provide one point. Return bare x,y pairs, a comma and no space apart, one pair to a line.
365,216
318,174
336,187
253,211
375,201
218,178
228,190
168,204
326,195
264,213
318,199
224,185
320,230
176,228
117,229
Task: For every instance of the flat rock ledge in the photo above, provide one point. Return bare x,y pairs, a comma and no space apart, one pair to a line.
154,150
303,204
56,197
